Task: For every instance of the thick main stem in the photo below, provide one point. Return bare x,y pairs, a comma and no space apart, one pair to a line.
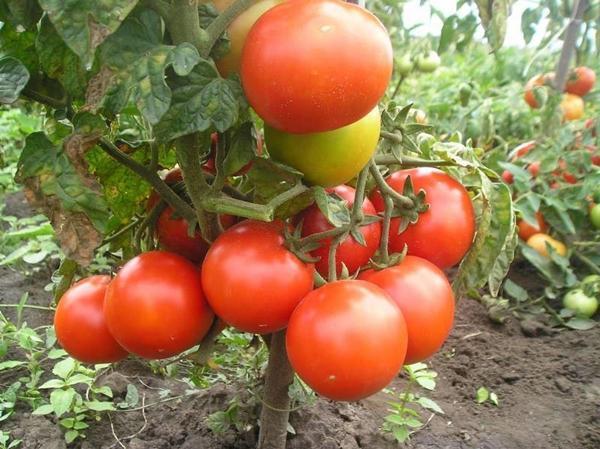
568,50
275,411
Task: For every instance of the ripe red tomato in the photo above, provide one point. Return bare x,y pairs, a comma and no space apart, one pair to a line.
347,340
251,280
534,168
508,177
526,229
444,233
426,300
529,96
172,234
80,325
521,150
316,65
349,252
330,158
237,31
581,81
155,307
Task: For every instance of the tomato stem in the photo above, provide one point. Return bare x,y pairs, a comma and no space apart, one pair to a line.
183,24
161,7
220,24
275,411
386,190
410,162
67,270
384,253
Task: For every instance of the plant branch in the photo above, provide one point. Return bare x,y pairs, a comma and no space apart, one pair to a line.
161,7
385,232
385,189
397,138
587,261
43,99
570,42
409,162
184,24
151,177
220,24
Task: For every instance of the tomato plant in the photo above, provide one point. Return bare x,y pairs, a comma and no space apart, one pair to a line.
155,307
444,233
259,297
347,340
425,297
344,44
351,253
80,324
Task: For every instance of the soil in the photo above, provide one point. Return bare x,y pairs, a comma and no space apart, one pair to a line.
548,388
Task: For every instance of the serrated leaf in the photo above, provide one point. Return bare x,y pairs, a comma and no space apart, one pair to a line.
401,434
59,61
61,401
14,76
64,368
84,24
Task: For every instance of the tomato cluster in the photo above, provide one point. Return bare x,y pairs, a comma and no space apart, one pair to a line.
348,338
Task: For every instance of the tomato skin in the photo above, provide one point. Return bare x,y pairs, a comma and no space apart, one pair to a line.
426,300
349,252
581,81
595,216
238,31
155,307
529,96
329,158
583,305
526,229
521,150
534,168
404,65
347,340
251,280
572,107
172,234
429,62
444,233
80,325
328,67
538,243
508,177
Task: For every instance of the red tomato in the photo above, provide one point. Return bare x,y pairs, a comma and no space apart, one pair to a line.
521,150
529,96
252,281
80,325
155,307
426,300
508,177
593,150
172,234
316,65
444,233
526,229
534,168
349,252
347,340
581,81
566,175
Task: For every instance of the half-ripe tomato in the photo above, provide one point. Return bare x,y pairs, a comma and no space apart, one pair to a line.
572,107
425,298
532,84
251,280
508,177
80,325
316,65
521,150
237,31
534,168
329,158
350,252
538,243
526,229
155,307
581,81
172,234
347,340
445,232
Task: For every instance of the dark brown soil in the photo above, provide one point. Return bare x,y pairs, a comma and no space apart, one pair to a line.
548,388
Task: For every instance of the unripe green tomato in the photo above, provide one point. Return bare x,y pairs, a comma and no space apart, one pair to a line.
591,279
404,65
595,216
428,62
329,158
580,303
464,94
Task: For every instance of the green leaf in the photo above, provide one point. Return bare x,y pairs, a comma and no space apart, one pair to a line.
71,436
495,242
84,24
24,12
515,291
14,76
64,368
430,405
79,379
52,383
242,149
10,364
558,274
482,395
132,398
581,324
200,101
61,401
448,33
45,409
401,434
59,61
99,406
426,382
494,398
20,45
332,207
138,58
